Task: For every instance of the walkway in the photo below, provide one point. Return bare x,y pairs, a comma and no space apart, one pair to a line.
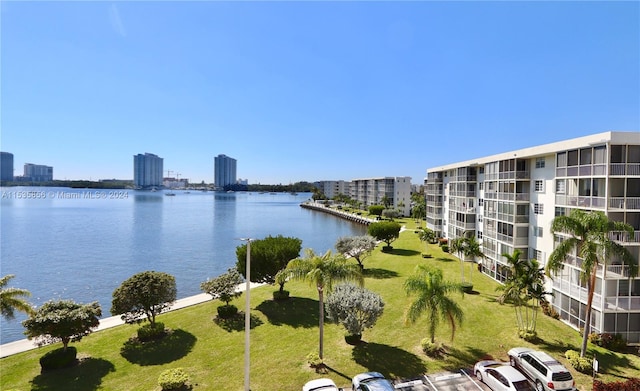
23,345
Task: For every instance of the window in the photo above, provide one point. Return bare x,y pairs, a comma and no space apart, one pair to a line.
537,231
539,186
479,235
481,202
540,162
481,186
560,211
538,209
561,186
537,254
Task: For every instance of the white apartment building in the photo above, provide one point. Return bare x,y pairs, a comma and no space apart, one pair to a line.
372,190
509,200
333,188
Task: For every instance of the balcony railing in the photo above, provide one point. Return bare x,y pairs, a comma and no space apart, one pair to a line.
628,203
623,303
621,169
624,237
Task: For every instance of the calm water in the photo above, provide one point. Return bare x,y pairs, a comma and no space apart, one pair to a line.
80,244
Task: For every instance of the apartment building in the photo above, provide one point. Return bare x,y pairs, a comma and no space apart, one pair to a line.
333,188
372,191
509,200
224,171
38,172
147,171
6,166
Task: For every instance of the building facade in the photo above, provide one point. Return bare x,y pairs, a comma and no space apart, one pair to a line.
332,188
509,200
37,173
147,171
372,191
6,166
224,171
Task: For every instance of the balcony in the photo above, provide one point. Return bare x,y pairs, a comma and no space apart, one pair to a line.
624,169
624,237
580,201
624,203
622,303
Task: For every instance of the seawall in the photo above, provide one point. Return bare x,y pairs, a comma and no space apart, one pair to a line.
345,215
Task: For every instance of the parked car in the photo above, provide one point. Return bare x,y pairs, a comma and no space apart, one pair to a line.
501,377
320,385
371,381
545,371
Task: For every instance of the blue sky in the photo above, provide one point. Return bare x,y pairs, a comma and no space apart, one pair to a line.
308,90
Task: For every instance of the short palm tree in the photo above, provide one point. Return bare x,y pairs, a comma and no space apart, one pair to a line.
471,248
12,299
323,271
433,299
586,235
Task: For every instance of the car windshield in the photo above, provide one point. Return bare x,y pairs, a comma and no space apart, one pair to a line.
522,386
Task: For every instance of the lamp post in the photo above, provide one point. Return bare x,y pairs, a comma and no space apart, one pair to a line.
247,317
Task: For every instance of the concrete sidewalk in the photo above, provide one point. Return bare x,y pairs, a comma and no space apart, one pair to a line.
23,345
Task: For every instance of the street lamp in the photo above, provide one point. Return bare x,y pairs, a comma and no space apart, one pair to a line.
247,317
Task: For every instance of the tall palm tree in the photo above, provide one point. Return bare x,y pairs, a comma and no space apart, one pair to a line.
432,299
12,299
323,271
471,248
586,235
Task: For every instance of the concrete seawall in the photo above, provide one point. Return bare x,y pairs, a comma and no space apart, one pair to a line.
345,215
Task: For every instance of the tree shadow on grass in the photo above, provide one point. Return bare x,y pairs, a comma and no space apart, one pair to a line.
444,259
85,376
172,347
459,358
403,252
295,312
611,362
391,361
379,274
236,323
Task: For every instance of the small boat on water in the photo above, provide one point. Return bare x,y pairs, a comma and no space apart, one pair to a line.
170,194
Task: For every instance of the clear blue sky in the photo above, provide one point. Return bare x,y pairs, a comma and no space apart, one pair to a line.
308,90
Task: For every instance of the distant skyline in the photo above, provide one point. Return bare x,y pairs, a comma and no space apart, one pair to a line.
307,91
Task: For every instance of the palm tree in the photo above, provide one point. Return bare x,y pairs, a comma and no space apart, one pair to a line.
323,271
427,235
432,298
471,248
586,236
11,299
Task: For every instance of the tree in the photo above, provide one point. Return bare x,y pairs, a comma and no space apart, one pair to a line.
391,214
357,247
587,236
386,231
432,299
386,201
471,249
376,210
524,287
418,206
427,235
323,271
63,321
12,299
224,287
355,308
147,293
268,257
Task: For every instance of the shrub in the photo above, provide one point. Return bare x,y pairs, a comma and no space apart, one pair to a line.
431,349
548,310
173,379
426,255
580,364
445,248
528,335
280,295
150,332
467,287
608,341
59,358
227,311
387,249
629,385
353,339
314,359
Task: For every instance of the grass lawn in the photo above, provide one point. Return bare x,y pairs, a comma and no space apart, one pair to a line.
283,333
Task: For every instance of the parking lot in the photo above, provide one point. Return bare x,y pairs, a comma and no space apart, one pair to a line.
462,380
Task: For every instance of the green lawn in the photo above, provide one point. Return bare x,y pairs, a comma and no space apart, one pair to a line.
283,333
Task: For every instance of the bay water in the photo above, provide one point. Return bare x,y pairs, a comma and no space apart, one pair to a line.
81,244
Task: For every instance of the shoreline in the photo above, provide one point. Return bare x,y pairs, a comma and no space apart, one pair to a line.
345,215
23,345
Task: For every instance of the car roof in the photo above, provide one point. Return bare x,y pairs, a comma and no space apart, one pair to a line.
368,375
320,384
510,373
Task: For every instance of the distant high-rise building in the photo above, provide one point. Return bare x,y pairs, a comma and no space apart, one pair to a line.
38,172
6,166
224,171
147,171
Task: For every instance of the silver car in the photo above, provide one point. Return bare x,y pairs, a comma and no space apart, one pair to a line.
500,376
371,381
545,371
